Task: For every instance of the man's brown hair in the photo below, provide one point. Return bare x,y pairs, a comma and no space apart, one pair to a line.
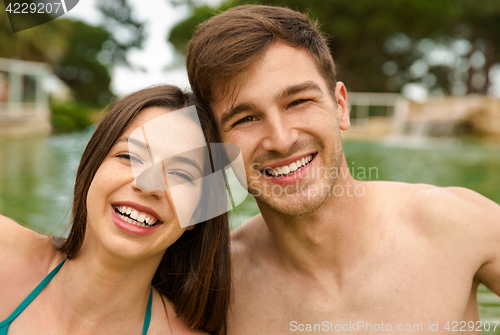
229,43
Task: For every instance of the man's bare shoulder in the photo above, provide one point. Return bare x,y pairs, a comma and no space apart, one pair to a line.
446,218
430,206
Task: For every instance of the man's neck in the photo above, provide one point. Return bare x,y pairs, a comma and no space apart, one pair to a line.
329,237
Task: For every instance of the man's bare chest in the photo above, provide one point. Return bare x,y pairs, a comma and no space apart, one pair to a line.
404,287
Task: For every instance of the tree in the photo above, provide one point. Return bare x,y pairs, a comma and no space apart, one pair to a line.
81,55
80,67
385,45
125,32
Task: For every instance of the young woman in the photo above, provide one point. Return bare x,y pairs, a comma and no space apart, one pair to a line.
120,272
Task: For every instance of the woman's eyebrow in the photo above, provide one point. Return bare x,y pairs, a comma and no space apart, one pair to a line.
133,141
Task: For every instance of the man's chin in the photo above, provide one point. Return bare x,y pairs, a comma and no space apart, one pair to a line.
296,204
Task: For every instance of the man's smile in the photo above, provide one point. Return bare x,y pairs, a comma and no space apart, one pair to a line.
287,170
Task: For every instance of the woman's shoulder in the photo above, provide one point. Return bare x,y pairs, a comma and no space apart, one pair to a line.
17,242
25,257
165,321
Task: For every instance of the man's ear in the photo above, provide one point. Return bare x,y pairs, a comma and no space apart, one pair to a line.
342,107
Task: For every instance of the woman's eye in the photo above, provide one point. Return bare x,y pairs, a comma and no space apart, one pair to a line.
183,175
246,119
130,157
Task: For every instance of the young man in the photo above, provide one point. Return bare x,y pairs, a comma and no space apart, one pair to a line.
330,253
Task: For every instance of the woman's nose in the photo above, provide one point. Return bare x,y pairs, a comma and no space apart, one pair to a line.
152,181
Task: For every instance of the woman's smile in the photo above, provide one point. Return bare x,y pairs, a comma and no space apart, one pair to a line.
137,214
133,226
134,218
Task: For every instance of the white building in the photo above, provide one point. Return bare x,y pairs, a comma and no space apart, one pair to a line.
24,99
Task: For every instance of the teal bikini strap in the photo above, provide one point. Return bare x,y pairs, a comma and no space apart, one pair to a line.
31,296
4,325
147,318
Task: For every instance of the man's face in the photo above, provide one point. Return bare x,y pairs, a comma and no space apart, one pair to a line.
287,125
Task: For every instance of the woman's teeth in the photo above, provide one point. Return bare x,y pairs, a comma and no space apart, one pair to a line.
291,168
135,217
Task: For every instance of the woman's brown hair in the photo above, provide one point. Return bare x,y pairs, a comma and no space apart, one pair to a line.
194,273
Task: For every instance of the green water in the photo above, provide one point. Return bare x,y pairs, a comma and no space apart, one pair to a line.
36,180
36,177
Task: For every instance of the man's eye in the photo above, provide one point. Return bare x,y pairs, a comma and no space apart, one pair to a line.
246,119
130,157
298,102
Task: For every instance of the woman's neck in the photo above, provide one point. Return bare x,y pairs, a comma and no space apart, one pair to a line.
96,289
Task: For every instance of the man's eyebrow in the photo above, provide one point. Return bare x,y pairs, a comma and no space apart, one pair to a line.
226,116
294,89
133,141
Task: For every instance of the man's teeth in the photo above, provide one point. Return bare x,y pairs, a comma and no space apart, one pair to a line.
135,217
291,168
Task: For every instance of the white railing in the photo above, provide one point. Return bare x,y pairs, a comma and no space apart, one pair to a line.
10,111
363,101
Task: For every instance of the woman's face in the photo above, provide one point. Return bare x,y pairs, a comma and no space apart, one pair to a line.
130,209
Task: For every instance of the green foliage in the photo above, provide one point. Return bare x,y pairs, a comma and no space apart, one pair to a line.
71,48
367,36
119,18
79,67
182,32
70,116
31,44
80,54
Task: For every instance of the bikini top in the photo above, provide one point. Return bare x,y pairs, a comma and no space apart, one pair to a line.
4,325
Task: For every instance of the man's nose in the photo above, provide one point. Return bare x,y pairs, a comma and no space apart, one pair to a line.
280,134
